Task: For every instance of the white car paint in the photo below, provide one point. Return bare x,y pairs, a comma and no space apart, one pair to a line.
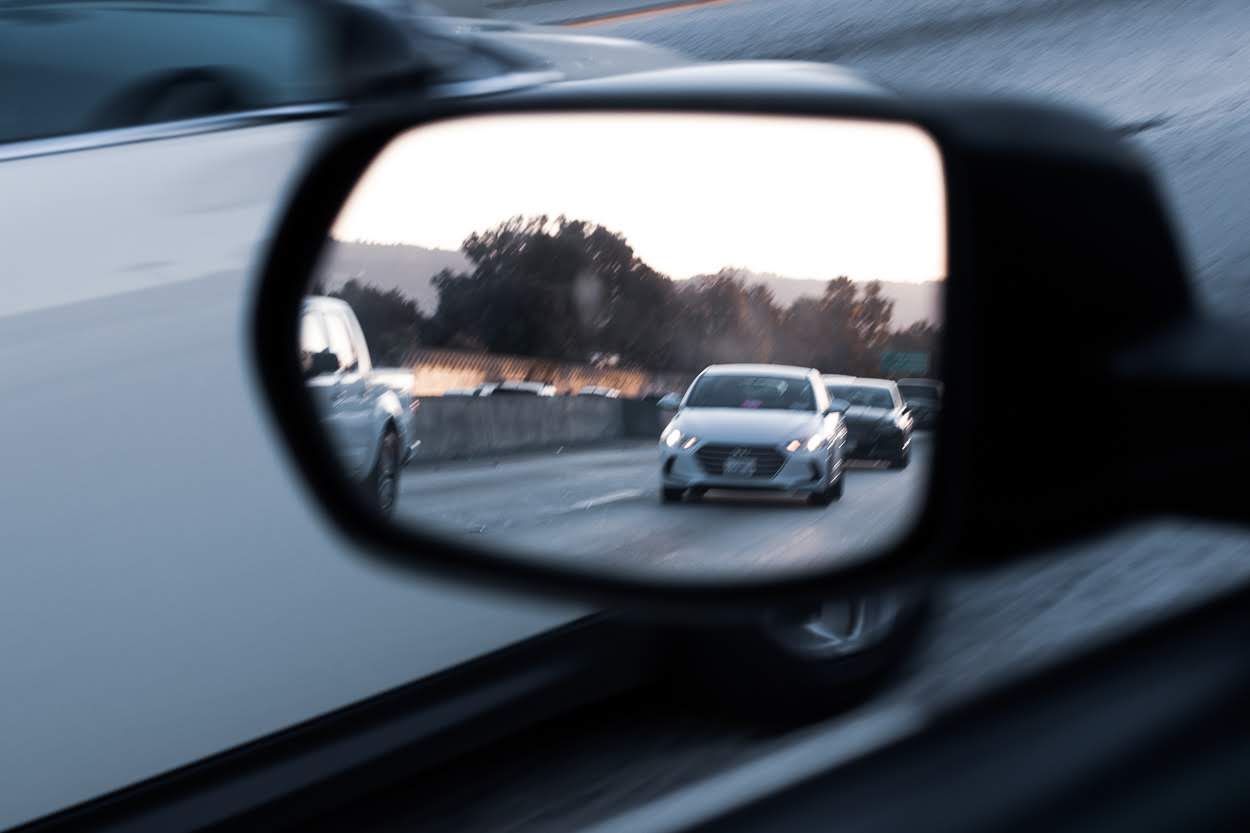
356,406
807,469
167,589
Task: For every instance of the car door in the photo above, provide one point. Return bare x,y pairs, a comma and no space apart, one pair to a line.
350,414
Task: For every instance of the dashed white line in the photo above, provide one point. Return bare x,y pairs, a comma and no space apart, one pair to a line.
613,497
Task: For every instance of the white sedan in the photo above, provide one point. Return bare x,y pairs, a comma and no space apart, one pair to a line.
754,427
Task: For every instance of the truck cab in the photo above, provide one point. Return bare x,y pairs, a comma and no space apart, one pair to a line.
370,420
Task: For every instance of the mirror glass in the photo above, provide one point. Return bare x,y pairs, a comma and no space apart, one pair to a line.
657,343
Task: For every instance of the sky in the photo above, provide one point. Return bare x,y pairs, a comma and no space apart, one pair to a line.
802,197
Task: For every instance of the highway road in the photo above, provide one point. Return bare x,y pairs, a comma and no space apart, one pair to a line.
601,506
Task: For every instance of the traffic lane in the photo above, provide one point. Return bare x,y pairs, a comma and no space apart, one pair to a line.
1176,70
603,506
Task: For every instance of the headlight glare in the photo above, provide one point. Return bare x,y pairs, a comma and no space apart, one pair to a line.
672,437
689,442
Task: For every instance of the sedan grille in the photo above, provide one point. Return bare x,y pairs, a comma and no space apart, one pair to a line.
768,461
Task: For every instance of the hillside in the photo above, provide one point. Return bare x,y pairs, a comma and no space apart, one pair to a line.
410,268
912,301
406,268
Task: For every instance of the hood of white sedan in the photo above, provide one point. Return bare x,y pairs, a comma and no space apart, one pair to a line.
746,425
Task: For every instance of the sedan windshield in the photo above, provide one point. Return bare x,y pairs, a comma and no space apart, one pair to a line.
741,391
864,395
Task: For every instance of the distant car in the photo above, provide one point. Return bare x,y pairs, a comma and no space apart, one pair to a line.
878,421
516,389
754,427
369,418
924,397
593,390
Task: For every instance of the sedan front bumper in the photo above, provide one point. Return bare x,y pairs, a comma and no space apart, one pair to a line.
747,467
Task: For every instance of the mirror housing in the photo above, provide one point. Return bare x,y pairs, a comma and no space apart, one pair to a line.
669,402
1051,217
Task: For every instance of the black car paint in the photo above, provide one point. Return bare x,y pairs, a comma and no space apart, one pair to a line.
877,433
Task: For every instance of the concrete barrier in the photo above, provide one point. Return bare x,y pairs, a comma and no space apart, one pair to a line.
454,427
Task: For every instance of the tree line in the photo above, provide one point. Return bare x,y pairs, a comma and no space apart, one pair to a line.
570,289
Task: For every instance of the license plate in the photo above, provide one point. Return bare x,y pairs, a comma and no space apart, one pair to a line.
740,466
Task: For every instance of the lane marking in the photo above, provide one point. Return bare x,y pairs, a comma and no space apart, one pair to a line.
654,11
613,497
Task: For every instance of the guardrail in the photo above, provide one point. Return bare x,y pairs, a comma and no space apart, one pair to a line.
459,428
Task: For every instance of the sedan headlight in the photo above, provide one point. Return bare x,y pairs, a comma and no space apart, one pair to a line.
812,443
672,437
690,441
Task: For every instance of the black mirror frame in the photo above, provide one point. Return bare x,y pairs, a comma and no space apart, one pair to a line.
1043,204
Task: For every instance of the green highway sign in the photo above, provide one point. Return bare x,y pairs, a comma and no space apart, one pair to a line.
904,363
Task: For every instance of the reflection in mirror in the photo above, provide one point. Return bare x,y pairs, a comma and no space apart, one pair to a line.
653,343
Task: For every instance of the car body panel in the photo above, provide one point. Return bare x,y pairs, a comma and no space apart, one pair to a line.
874,433
166,576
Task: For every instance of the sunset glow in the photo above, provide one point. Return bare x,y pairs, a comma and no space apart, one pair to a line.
801,197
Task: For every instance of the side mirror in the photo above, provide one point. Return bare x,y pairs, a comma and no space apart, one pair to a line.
838,406
322,363
669,402
999,200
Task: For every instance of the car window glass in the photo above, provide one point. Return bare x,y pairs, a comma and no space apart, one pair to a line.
753,392
918,392
867,397
340,340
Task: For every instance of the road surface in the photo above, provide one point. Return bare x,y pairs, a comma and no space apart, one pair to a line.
602,506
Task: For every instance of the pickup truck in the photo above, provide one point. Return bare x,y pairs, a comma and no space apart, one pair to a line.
369,415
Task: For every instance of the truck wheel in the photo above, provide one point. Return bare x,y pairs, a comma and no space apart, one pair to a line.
382,484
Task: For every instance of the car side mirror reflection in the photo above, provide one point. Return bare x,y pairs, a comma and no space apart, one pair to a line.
744,297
